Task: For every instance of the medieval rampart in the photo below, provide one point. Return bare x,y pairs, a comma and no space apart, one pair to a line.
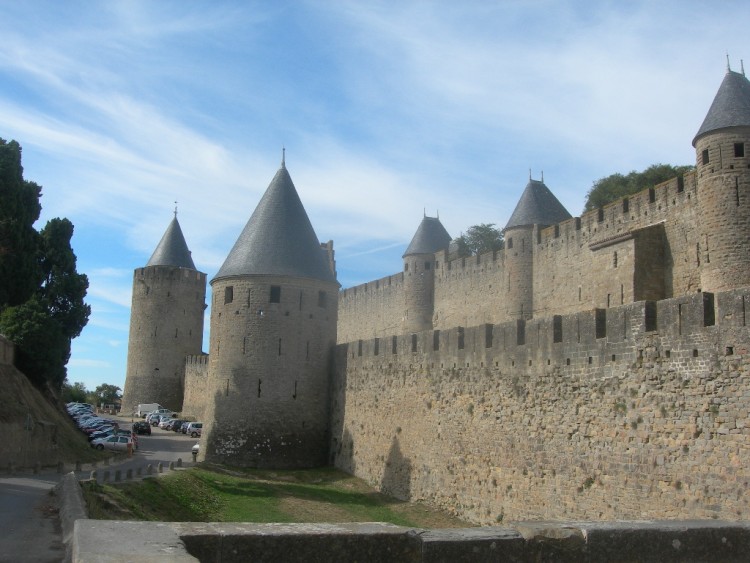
196,387
372,309
637,411
643,247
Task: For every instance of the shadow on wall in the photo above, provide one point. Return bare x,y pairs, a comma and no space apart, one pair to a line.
396,480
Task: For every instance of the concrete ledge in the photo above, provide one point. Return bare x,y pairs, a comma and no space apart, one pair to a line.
648,541
71,507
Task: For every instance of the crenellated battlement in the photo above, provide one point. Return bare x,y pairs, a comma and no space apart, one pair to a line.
560,340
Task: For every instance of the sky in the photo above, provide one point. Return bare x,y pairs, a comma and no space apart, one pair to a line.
387,110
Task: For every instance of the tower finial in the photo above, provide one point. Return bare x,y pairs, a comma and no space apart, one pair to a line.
283,156
175,210
424,212
529,174
542,176
742,67
729,68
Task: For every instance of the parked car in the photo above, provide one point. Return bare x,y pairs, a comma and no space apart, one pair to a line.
116,442
142,427
172,423
184,425
154,419
164,421
194,429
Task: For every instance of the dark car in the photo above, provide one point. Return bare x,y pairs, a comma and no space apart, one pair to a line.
172,423
176,425
142,427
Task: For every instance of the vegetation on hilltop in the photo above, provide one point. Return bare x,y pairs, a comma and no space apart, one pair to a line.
613,187
41,293
479,239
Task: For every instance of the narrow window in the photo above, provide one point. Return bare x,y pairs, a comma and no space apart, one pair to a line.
614,260
426,265
322,299
510,243
436,340
557,231
377,346
600,214
275,294
228,294
739,150
294,395
557,333
704,157
737,191
460,338
413,342
488,329
406,267
651,195
359,347
625,205
259,382
680,184
394,344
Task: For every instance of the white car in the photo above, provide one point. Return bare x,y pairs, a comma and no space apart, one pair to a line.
164,421
117,442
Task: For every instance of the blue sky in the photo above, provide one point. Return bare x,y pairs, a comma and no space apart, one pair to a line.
386,109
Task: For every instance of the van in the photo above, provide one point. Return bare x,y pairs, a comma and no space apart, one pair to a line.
144,408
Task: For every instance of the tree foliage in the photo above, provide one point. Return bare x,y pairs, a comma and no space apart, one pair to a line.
75,393
41,294
479,239
107,394
613,187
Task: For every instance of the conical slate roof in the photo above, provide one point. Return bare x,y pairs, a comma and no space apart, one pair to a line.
731,106
172,250
537,206
430,237
278,239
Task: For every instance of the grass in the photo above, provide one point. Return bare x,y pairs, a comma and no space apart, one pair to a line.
221,495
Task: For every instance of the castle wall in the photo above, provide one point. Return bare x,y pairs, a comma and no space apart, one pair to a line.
637,411
644,247
166,324
195,401
373,309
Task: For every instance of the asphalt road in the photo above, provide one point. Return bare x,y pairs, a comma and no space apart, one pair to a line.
29,527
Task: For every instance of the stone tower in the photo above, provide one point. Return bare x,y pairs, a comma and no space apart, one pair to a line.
537,208
273,332
166,323
722,147
419,274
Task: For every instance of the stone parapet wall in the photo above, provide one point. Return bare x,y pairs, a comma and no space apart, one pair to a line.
560,542
372,309
638,411
196,397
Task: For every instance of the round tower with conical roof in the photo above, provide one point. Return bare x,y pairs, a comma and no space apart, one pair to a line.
273,332
722,147
166,323
537,208
419,274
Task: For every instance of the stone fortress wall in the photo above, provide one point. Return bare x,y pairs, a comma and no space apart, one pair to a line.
609,256
637,411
